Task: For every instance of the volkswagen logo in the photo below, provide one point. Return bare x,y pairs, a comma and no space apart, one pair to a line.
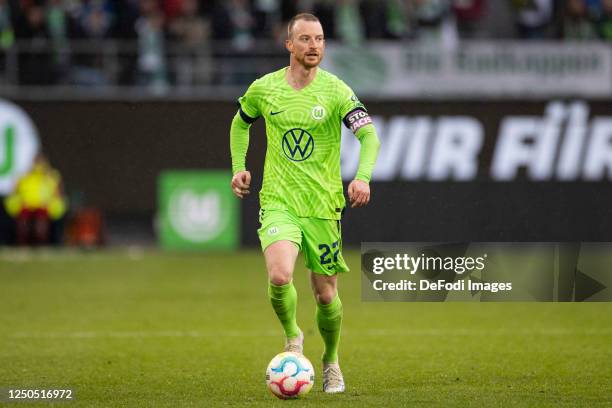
298,144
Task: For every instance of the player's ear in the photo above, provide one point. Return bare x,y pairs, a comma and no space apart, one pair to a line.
289,45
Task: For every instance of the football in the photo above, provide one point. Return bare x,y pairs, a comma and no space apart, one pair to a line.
289,375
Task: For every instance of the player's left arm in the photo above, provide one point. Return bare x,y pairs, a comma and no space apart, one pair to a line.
359,188
356,118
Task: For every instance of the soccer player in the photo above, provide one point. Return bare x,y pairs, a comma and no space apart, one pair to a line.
302,197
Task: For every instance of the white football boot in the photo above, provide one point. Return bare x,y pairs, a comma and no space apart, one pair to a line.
296,344
333,382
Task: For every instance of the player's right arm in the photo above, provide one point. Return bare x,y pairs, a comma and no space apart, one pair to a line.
248,112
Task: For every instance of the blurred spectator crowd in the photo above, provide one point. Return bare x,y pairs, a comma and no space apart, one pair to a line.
193,25
193,21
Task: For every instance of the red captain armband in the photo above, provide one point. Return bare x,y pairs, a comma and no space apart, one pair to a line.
356,119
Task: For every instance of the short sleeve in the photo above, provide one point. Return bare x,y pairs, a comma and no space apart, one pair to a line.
348,101
249,103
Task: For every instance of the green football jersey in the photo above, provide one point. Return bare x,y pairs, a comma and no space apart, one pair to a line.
303,130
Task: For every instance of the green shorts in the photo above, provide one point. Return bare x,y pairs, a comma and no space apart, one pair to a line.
319,239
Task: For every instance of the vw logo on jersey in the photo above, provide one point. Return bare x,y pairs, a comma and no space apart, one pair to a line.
298,144
318,112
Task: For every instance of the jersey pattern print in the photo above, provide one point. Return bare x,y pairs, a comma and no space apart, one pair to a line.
303,130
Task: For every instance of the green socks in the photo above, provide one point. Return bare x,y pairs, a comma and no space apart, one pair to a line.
284,303
329,317
329,320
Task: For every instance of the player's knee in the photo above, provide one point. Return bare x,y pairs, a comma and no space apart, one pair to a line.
279,275
326,296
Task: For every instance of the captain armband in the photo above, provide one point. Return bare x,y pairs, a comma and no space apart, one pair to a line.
356,119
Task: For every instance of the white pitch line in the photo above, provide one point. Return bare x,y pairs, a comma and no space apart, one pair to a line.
489,332
273,333
137,334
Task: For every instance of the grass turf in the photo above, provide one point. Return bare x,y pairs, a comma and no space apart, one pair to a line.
130,328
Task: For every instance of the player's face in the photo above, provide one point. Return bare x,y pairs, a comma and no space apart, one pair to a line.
307,43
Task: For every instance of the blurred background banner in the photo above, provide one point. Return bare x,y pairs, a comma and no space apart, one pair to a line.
486,272
466,170
197,210
474,69
497,141
18,145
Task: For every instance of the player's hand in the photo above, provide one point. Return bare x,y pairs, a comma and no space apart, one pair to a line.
359,193
241,183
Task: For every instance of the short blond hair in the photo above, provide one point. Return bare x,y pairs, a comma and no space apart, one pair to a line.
296,18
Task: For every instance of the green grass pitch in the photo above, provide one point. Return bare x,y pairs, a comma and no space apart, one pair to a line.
130,328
